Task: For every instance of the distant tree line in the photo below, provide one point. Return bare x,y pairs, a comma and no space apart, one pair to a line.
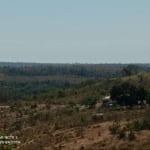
83,70
71,70
11,90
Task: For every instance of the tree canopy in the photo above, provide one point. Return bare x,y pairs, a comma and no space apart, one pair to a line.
127,94
130,70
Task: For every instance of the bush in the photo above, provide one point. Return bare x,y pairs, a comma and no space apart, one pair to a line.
33,106
61,94
97,118
114,128
145,124
90,102
82,148
131,136
139,125
135,125
122,133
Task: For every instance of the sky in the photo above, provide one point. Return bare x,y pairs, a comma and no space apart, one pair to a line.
75,31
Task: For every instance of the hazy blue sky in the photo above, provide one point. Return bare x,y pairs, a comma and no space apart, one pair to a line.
85,31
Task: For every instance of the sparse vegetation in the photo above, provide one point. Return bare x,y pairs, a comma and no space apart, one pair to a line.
73,116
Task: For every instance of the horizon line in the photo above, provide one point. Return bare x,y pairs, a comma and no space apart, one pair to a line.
29,62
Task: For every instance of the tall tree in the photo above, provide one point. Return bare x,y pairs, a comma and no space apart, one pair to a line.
127,94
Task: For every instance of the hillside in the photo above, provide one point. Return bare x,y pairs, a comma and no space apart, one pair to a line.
73,117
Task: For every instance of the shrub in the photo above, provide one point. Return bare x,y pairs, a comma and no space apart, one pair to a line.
122,133
82,148
114,128
134,125
97,117
131,135
139,125
90,102
146,124
61,94
33,106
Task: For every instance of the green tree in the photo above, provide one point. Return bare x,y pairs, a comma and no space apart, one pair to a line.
130,70
90,102
127,94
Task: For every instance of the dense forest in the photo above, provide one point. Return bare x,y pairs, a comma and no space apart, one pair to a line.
83,70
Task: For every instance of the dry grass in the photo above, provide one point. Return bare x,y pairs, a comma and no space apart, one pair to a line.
71,130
